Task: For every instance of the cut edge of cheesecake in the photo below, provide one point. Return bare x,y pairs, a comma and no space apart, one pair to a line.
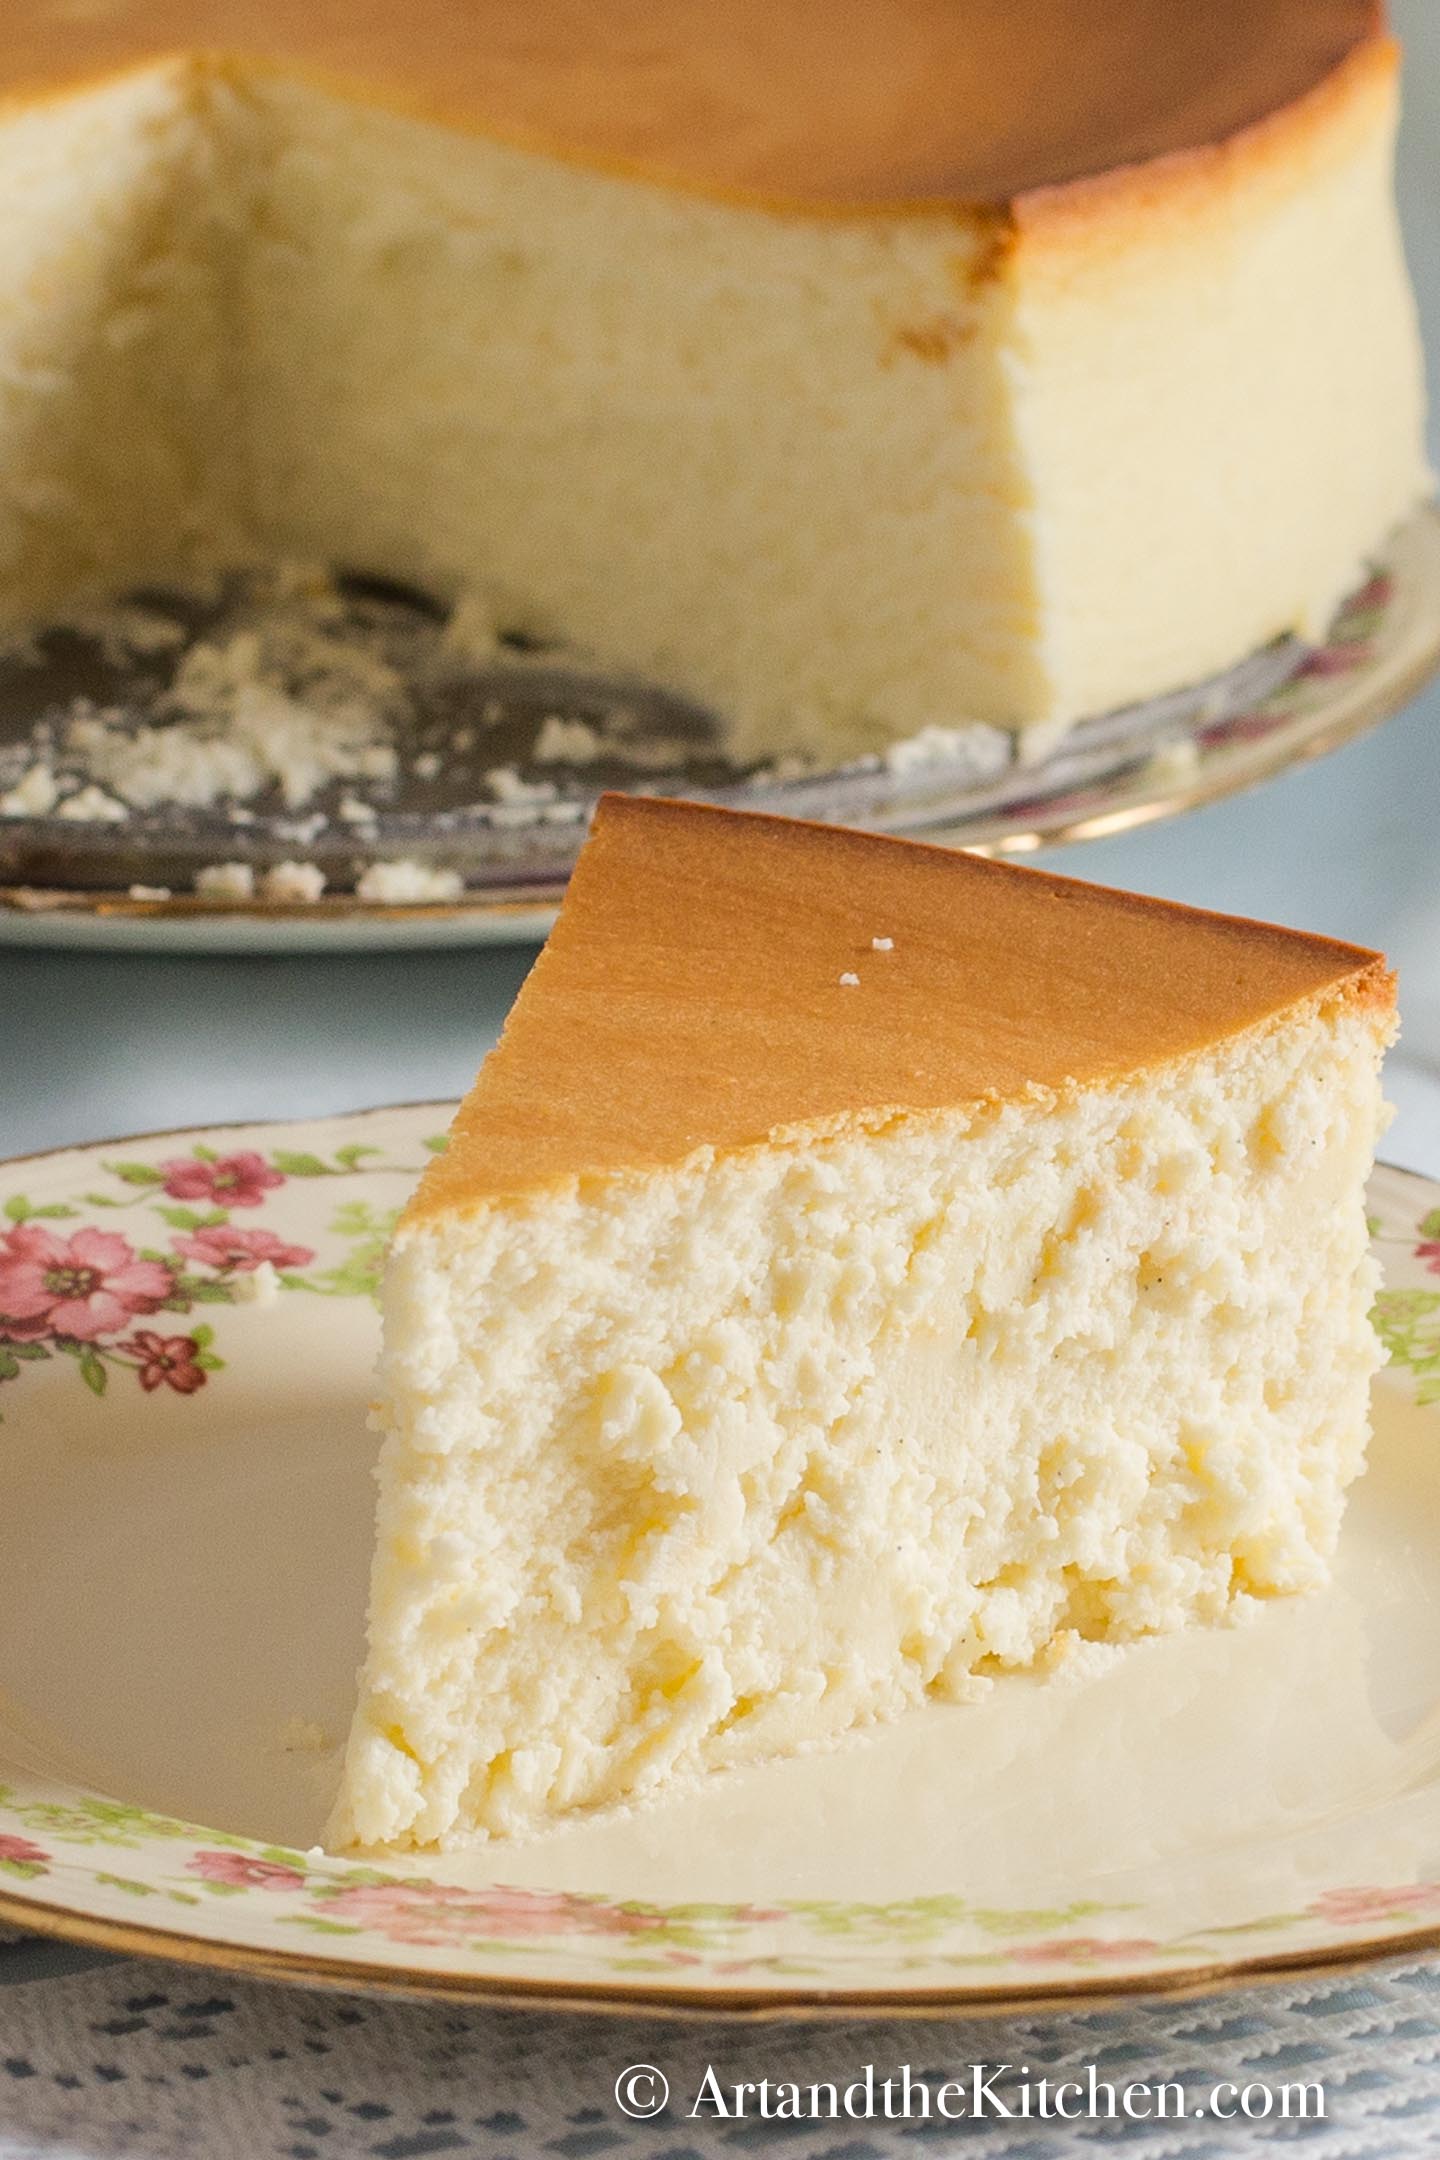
1017,532
731,1021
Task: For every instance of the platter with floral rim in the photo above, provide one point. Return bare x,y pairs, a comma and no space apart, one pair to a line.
185,1501
69,881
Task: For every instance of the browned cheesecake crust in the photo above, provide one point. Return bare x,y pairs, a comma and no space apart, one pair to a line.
820,104
669,1015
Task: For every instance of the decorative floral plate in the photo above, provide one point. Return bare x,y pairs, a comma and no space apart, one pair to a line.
128,885
185,1502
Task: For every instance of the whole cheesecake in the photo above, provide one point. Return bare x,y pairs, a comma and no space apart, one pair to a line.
849,365
859,1269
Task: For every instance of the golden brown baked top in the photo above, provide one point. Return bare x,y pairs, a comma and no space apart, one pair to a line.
693,994
828,103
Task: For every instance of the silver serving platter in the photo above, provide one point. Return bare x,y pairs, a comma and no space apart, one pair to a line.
68,882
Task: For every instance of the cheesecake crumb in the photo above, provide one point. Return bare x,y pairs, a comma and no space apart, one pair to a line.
394,883
980,752
124,630
566,742
882,944
92,806
849,981
301,830
33,795
259,1285
225,881
290,698
507,787
149,892
292,881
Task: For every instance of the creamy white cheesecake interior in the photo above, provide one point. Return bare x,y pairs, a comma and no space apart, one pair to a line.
859,1269
994,361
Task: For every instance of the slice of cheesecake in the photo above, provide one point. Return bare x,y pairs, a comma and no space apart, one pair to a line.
860,1267
851,366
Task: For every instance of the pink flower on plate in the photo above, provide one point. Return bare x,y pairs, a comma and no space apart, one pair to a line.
230,1181
1085,1947
425,1913
1375,592
83,1286
1354,1906
20,1851
1429,1252
1337,659
171,1359
242,1872
241,1251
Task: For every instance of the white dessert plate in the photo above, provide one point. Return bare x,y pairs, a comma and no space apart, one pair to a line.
185,1507
68,882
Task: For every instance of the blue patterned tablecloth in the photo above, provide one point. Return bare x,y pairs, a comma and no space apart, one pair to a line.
104,2056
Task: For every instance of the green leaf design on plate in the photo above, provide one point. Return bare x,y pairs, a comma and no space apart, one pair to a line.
358,1219
1041,1922
134,1173
1430,1225
93,1372
301,1165
1262,1924
1408,1324
352,1156
187,1218
359,1276
437,1143
367,1229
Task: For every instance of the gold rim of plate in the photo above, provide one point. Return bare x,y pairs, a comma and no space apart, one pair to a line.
303,1968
